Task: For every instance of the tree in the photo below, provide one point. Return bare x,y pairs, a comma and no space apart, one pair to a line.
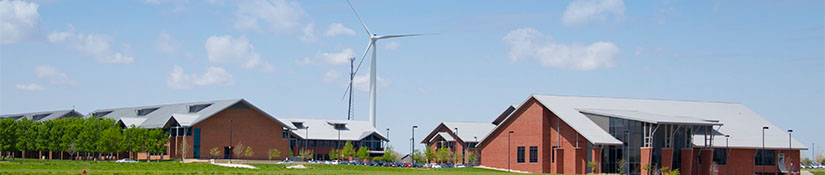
430,153
458,156
594,166
242,150
348,151
333,154
389,155
8,136
471,157
443,155
622,166
419,157
215,152
183,147
306,154
111,139
248,153
363,153
25,140
273,153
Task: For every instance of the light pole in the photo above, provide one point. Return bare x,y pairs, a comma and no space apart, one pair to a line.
388,136
763,147
508,150
412,143
462,145
230,141
790,158
627,151
727,153
306,141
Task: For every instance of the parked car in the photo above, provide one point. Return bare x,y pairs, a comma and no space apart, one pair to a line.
126,161
418,165
285,162
459,165
435,166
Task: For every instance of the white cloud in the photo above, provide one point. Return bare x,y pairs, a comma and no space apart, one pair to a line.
362,82
94,45
392,45
50,73
331,75
529,43
336,29
214,76
309,33
275,15
18,20
226,49
584,11
30,87
165,43
329,58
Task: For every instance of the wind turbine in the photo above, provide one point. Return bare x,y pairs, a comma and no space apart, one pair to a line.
372,44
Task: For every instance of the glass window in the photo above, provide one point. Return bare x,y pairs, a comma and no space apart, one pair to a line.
765,157
720,156
534,154
520,157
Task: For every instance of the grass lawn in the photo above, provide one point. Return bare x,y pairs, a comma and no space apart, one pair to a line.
816,171
34,166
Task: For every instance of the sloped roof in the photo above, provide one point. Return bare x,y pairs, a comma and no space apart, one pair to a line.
649,117
179,112
324,129
43,115
743,125
467,131
446,136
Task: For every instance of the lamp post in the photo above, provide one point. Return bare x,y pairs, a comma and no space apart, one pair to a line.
97,146
412,143
388,136
627,151
790,158
508,150
230,141
727,153
306,141
462,146
763,147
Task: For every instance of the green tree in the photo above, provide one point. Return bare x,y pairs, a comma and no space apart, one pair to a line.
389,155
273,153
8,136
43,138
430,153
333,154
157,141
306,154
471,157
419,157
348,151
110,140
26,139
444,155
363,153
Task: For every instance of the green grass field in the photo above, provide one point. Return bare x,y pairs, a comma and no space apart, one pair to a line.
33,166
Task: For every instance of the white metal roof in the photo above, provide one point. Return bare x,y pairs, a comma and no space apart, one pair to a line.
324,129
178,112
743,125
446,136
649,117
469,131
43,115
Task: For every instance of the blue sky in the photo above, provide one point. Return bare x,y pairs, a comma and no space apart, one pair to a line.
290,58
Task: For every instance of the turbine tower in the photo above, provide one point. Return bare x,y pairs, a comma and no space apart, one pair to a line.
373,39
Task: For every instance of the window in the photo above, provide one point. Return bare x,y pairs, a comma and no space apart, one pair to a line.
145,111
534,154
720,156
101,113
520,152
40,116
765,157
197,108
284,133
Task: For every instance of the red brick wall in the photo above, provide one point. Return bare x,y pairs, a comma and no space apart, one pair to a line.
249,126
741,162
534,125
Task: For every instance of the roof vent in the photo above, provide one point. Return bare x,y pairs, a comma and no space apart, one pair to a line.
299,125
198,108
145,111
340,126
40,116
101,113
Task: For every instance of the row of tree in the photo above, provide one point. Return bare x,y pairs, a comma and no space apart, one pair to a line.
79,137
443,155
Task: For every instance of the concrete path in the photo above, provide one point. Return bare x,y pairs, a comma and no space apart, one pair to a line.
807,172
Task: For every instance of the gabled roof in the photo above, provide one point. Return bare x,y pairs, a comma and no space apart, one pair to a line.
43,115
324,129
444,135
743,125
467,131
184,114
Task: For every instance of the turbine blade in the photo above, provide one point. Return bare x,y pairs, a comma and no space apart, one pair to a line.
406,35
359,19
357,68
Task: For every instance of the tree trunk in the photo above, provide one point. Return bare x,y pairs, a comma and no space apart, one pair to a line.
22,154
148,157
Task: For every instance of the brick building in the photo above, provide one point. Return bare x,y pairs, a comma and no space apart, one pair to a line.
459,137
561,134
221,124
322,135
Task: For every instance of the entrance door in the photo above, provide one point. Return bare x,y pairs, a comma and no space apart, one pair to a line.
227,152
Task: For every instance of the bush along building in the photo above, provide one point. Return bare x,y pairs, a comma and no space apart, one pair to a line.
223,129
578,135
316,138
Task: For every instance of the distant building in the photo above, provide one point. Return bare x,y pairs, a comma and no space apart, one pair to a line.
561,134
322,135
44,115
207,125
459,137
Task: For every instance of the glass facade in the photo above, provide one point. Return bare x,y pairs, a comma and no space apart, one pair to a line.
629,132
